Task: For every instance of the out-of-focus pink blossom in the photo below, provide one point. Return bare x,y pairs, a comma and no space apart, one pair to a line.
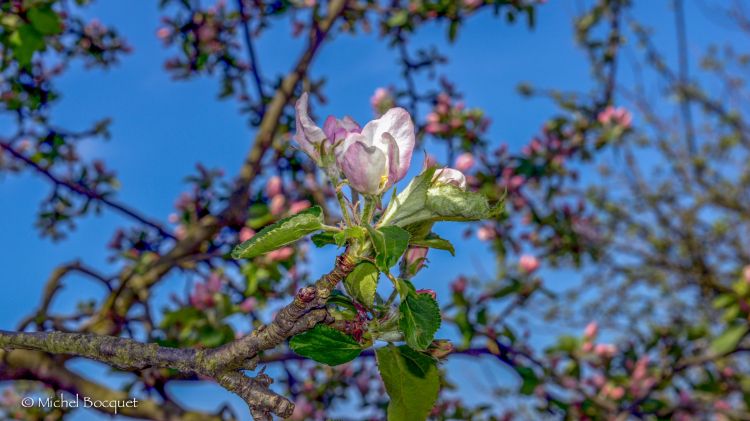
248,304
303,409
273,186
213,283
605,350
381,100
746,273
591,330
246,233
618,116
280,254
173,218
465,162
277,205
486,233
163,33
201,298
180,232
528,263
459,285
299,206
473,3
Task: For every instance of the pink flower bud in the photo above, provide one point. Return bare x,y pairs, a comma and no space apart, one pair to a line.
746,273
465,162
528,263
429,292
415,256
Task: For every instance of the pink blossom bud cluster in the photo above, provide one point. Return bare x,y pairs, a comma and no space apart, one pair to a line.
612,116
449,120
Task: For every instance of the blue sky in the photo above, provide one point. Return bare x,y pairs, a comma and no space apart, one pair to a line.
162,128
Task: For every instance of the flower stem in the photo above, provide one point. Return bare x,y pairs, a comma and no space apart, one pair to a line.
342,203
369,210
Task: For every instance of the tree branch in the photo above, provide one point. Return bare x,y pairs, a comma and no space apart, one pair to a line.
85,191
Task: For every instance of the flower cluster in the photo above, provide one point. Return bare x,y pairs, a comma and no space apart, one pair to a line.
449,120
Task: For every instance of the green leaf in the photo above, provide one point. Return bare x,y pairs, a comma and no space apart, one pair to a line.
450,203
357,233
283,232
529,378
728,340
411,380
420,319
362,282
436,242
45,20
25,41
326,345
425,201
390,243
323,239
409,206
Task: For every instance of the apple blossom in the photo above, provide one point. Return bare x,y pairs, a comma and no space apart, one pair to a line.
337,130
309,136
528,263
380,155
465,162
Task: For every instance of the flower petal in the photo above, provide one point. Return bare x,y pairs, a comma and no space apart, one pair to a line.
309,135
396,122
363,165
450,176
393,159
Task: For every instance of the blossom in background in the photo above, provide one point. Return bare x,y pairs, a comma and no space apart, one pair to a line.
465,162
380,155
618,116
246,233
381,101
591,331
528,263
299,206
273,186
486,232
